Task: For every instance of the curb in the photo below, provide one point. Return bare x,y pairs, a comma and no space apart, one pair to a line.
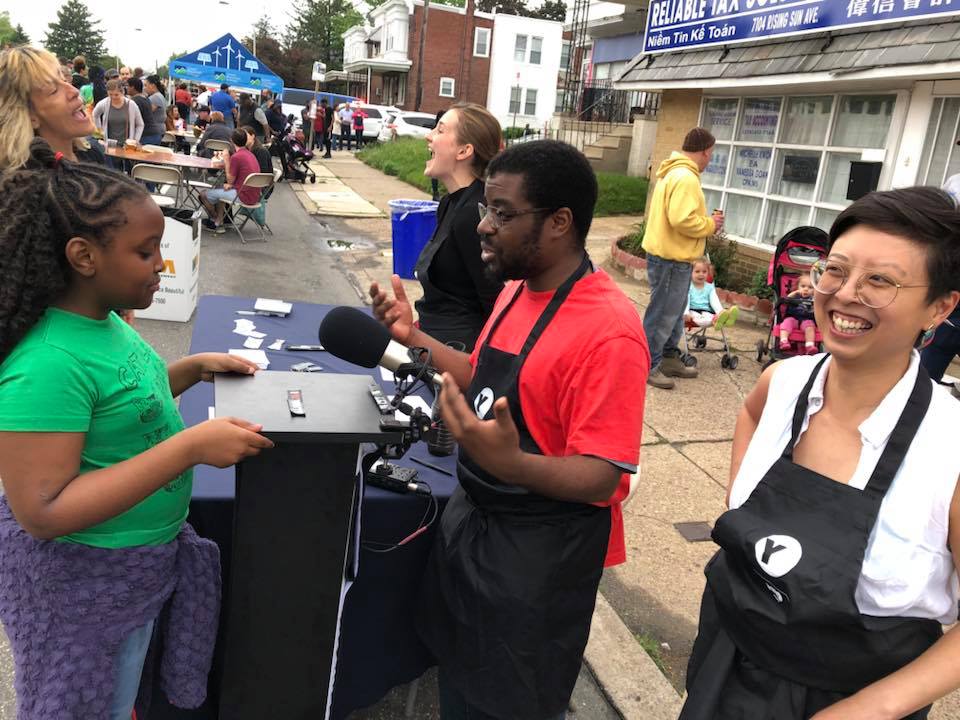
628,676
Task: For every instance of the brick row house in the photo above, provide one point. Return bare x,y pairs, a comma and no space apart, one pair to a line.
506,63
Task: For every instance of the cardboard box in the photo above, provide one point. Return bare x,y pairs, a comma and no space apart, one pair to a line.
180,280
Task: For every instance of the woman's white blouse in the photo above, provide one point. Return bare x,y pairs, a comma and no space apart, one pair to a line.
908,570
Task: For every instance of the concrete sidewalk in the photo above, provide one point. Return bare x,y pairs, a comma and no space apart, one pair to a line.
685,461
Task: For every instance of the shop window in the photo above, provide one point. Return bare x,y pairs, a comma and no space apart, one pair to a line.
783,217
716,171
823,218
863,121
940,153
742,215
758,120
713,199
719,117
836,177
795,173
751,166
806,120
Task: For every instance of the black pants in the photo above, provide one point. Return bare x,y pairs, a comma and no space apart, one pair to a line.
346,138
453,706
359,137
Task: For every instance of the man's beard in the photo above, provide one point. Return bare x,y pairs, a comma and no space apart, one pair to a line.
524,263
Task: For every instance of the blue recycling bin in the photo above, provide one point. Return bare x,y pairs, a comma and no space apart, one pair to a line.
412,224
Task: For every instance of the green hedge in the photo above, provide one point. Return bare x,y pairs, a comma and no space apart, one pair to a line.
405,159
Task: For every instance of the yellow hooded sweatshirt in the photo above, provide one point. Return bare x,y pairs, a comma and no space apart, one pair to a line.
677,224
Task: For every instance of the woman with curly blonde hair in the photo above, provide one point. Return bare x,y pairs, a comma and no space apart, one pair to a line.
35,101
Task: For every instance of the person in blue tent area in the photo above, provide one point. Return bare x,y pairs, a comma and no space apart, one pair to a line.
222,101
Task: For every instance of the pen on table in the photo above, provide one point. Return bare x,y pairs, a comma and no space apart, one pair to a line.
432,466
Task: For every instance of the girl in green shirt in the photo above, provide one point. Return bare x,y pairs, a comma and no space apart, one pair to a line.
92,447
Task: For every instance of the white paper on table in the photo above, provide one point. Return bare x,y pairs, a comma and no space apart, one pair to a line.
386,374
259,357
276,344
253,343
414,401
211,412
273,306
255,334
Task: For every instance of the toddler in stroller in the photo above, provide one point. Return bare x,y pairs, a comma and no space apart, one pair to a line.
704,310
798,313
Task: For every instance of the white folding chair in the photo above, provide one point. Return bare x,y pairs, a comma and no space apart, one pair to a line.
218,145
168,138
162,174
263,182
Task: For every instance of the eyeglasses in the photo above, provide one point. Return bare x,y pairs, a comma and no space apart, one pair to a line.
873,289
499,217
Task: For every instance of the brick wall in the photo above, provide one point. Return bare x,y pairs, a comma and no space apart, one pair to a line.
748,261
442,57
679,112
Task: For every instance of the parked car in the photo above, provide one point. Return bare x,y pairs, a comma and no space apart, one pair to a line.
295,99
374,117
407,124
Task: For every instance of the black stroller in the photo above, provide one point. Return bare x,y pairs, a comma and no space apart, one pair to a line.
796,252
294,155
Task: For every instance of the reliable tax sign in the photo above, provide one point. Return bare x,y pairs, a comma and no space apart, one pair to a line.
690,24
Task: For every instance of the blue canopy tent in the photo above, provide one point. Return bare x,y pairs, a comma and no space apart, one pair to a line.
225,61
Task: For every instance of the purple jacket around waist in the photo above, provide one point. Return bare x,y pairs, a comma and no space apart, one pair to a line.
67,608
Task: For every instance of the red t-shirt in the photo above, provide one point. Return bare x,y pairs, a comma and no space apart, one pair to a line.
244,163
183,97
583,385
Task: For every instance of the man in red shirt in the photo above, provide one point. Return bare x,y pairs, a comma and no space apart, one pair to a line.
548,413
236,166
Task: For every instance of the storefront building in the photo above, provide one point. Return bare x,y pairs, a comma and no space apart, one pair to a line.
812,103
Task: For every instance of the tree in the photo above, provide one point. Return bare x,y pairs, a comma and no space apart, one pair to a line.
551,10
263,37
19,36
75,32
507,7
10,35
315,31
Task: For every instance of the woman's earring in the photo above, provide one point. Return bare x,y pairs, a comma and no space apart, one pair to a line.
926,337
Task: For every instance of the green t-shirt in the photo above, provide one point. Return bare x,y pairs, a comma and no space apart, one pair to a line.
86,94
74,374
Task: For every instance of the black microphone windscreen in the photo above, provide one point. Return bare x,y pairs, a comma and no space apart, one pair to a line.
354,336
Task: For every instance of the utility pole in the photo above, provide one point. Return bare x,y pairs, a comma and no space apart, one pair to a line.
423,36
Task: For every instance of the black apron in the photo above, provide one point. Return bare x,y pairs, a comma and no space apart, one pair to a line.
445,316
509,590
780,634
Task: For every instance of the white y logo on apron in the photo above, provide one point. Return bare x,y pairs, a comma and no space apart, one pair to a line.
778,554
482,402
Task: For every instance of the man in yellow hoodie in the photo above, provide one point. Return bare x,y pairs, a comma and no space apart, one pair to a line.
677,229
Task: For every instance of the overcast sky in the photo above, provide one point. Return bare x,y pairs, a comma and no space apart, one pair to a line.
169,26
175,26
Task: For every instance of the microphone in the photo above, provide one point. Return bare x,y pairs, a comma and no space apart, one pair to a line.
354,336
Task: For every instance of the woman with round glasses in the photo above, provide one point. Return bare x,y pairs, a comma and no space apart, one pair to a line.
458,293
838,557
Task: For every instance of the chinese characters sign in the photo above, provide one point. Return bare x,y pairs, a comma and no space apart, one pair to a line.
687,24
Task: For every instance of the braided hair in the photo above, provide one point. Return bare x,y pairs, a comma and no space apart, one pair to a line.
45,204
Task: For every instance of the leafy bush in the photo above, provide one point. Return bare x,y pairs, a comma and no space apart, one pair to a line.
722,252
758,286
633,243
